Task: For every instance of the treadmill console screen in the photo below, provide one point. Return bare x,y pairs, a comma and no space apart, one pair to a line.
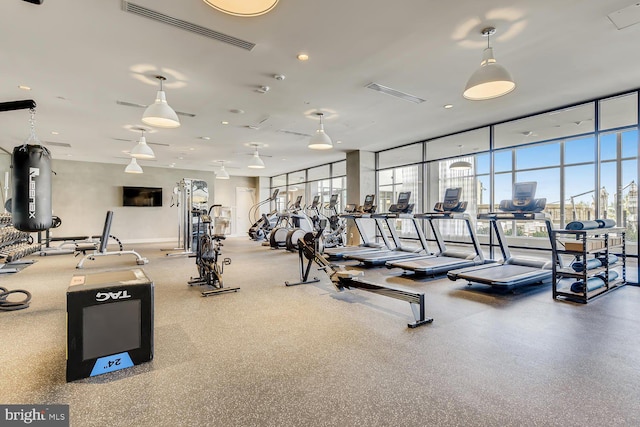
403,200
403,205
296,205
316,201
275,194
524,193
333,201
452,198
368,202
350,208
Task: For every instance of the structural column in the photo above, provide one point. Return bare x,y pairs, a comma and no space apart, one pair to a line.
361,180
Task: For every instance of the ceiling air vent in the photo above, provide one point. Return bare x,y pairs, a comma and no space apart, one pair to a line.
396,93
184,25
57,144
291,132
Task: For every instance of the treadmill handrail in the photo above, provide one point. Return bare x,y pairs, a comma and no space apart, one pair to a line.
526,216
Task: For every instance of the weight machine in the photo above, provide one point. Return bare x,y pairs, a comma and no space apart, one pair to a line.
349,279
190,196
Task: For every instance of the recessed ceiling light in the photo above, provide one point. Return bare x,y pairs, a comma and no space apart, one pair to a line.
447,106
237,111
191,149
284,159
69,155
53,132
302,57
224,122
23,87
180,158
338,142
206,138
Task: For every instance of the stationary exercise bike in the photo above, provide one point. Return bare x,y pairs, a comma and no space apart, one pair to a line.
208,258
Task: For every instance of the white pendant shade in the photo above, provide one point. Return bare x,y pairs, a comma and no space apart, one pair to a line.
256,162
320,140
160,114
133,167
222,173
142,150
460,166
489,81
243,7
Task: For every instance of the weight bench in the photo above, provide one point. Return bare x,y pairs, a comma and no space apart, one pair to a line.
100,248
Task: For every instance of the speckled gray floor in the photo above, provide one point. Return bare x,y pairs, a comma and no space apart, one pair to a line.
309,356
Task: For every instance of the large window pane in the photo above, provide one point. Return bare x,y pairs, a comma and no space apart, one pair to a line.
503,189
544,127
464,143
483,163
400,156
608,146
321,172
619,111
502,161
339,168
279,181
579,193
579,150
538,156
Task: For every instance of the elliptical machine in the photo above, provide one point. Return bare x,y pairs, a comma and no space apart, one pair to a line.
208,258
303,224
262,226
337,226
287,221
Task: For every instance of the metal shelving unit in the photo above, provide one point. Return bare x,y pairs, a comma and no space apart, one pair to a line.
583,246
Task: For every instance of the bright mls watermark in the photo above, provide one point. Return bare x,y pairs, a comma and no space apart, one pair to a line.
37,415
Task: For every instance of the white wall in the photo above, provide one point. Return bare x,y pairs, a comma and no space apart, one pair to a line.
83,193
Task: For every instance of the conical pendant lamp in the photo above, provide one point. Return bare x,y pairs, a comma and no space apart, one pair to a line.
160,114
133,167
491,80
320,140
142,150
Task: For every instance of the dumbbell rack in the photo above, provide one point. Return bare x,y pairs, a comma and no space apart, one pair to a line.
14,244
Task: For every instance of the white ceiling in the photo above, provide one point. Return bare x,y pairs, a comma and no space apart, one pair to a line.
81,56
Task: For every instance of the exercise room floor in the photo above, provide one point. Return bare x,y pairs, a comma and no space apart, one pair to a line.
271,355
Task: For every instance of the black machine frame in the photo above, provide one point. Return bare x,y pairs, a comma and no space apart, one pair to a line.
210,267
349,279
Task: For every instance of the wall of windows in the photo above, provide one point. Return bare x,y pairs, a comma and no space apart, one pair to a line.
322,181
584,159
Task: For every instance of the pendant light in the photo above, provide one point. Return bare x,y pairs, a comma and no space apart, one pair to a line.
159,114
491,80
320,141
222,173
460,165
245,8
142,150
133,167
256,162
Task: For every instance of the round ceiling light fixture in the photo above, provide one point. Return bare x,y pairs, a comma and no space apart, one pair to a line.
245,8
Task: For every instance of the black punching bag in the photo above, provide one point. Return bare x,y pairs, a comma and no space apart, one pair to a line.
31,195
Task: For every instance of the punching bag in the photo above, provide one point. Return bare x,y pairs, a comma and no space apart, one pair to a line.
31,195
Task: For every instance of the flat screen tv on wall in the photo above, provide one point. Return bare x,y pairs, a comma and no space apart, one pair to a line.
141,196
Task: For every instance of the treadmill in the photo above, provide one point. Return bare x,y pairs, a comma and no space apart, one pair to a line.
452,209
513,271
357,214
401,210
